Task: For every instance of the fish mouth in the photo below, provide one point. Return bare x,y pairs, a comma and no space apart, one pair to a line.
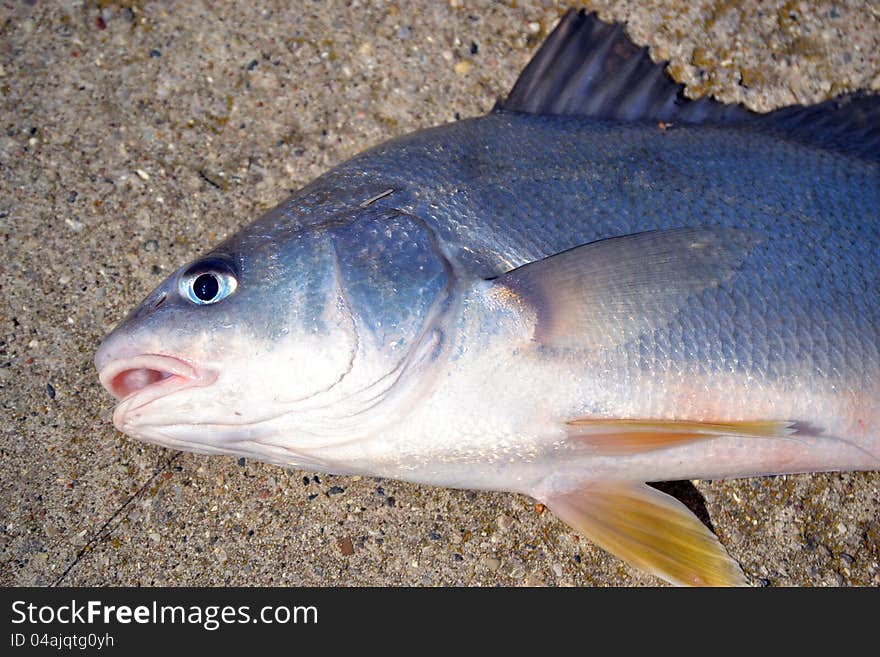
142,379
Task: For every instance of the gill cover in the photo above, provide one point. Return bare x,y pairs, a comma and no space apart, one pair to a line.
397,283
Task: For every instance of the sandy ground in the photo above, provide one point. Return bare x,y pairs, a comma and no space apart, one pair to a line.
136,135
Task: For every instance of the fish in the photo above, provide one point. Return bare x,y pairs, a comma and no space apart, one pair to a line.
598,285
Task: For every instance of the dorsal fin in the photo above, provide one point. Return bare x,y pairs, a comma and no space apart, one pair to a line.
590,68
849,124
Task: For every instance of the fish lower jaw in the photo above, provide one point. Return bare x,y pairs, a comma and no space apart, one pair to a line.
257,442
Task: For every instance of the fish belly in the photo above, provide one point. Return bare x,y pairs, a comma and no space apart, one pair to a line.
501,421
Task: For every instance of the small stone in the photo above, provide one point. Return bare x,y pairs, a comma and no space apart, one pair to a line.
220,553
504,522
50,390
533,580
336,490
143,175
463,67
345,546
557,569
491,563
516,569
155,53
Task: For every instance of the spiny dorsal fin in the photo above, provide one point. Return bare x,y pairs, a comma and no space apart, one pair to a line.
590,68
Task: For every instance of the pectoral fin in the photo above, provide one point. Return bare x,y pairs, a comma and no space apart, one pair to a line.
609,292
624,437
650,530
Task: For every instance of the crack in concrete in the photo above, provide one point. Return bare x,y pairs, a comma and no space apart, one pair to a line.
97,536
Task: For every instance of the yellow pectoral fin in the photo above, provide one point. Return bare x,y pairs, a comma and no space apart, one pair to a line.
622,437
650,530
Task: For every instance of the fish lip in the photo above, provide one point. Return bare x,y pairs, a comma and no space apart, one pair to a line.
176,374
151,362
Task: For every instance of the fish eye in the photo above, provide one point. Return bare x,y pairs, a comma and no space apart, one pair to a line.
207,282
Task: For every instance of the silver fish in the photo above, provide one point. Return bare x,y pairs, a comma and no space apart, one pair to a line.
596,285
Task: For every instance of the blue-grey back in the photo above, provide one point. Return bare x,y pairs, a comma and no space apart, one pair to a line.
506,189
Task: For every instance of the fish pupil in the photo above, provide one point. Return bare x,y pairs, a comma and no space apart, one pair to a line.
206,287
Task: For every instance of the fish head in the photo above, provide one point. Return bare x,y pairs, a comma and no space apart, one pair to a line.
229,341
282,341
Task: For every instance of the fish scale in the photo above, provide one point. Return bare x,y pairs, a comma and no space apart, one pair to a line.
801,234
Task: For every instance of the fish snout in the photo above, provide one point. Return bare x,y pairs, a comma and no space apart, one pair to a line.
138,381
